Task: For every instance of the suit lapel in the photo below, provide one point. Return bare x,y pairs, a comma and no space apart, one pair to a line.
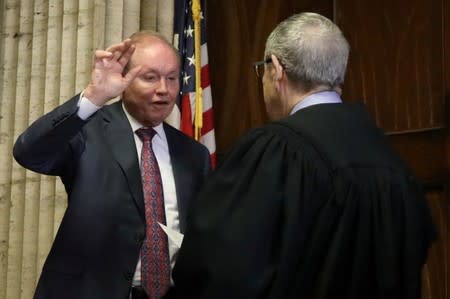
180,172
119,134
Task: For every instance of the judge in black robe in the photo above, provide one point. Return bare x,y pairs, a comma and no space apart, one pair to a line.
314,205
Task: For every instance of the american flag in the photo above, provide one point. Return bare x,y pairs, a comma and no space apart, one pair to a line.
184,33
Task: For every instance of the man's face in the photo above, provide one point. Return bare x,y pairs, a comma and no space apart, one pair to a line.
152,94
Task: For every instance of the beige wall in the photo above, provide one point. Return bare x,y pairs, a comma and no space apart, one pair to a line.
46,49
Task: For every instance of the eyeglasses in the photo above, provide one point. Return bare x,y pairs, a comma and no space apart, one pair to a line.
259,67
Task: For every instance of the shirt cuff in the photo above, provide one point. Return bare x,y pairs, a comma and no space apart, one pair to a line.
86,108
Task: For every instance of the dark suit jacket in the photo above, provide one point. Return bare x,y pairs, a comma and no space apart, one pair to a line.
97,246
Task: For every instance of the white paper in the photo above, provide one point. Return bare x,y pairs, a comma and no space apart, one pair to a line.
173,235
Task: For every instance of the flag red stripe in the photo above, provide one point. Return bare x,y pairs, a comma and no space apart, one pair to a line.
186,116
208,121
213,160
205,76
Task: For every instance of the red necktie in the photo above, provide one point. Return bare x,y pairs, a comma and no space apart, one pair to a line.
155,264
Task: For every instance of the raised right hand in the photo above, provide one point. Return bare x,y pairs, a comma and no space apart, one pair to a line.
107,78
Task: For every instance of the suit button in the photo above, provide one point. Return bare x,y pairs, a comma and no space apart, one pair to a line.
128,276
139,237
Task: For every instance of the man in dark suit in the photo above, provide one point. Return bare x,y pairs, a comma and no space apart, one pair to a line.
316,204
92,148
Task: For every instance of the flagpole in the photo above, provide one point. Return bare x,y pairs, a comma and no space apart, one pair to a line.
198,119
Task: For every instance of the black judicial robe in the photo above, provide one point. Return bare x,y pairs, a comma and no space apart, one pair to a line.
317,205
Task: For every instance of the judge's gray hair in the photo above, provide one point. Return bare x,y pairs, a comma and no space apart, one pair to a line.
312,50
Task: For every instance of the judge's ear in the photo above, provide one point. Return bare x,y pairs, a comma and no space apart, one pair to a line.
278,68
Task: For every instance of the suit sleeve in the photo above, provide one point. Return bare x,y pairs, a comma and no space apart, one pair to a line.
51,141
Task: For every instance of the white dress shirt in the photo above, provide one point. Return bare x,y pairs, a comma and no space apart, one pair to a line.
322,97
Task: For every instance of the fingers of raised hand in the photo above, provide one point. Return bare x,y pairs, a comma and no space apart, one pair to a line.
121,52
120,46
126,55
100,54
133,73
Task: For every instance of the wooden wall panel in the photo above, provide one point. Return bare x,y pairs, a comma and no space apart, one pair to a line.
446,65
399,67
425,152
396,60
237,31
446,35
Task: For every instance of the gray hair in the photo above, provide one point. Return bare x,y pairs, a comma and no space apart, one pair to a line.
312,50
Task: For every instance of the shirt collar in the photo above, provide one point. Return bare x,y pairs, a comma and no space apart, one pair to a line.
323,97
135,125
